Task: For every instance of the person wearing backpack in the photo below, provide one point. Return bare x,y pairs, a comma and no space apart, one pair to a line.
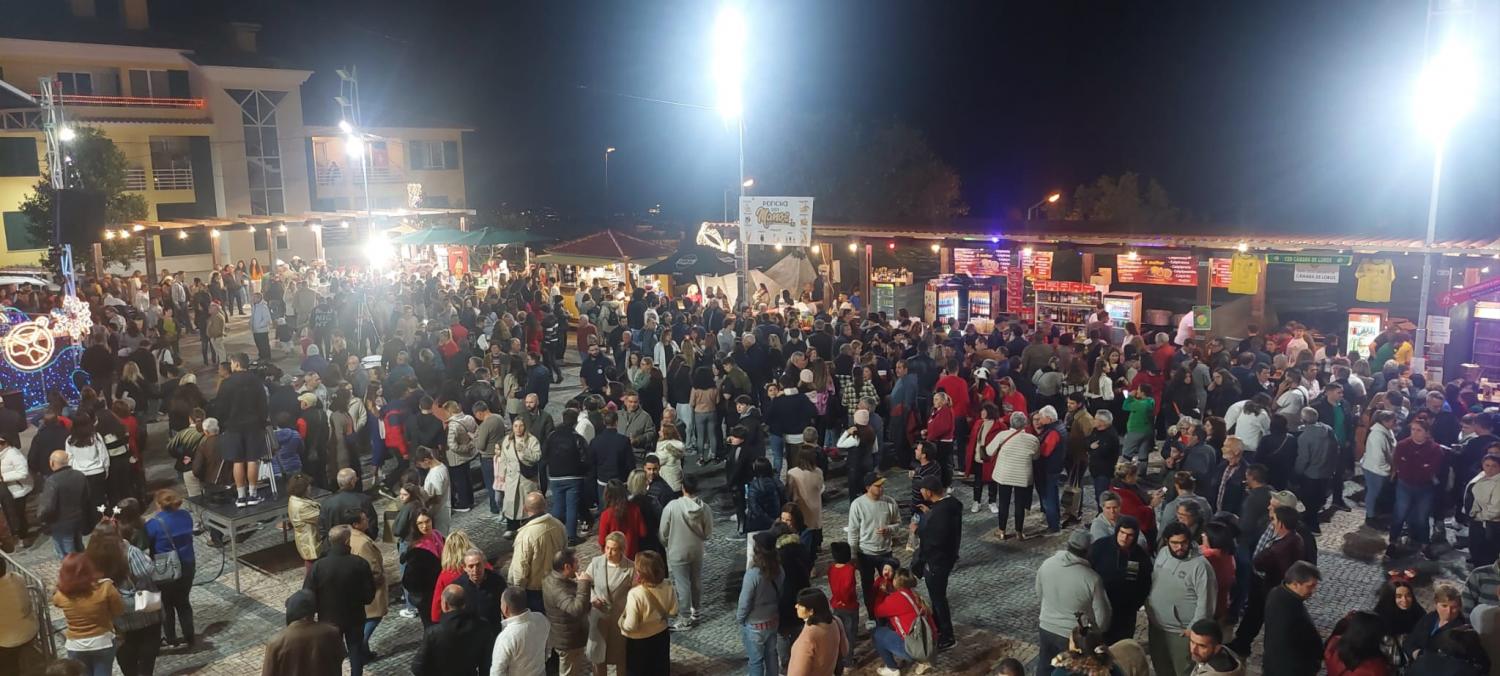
461,451
907,633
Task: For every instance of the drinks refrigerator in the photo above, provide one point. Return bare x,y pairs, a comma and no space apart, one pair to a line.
1123,307
944,300
1487,339
889,297
1067,304
1364,325
986,302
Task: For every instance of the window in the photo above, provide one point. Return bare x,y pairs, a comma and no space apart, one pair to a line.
77,83
282,244
430,155
195,244
171,152
262,149
18,157
150,83
18,233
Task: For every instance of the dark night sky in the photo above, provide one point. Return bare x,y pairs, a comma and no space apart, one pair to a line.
1264,114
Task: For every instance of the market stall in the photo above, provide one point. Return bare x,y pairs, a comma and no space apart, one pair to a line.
609,255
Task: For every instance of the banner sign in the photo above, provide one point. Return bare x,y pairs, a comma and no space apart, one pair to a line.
1203,317
1310,259
997,263
776,220
1169,270
1468,293
1319,274
1439,330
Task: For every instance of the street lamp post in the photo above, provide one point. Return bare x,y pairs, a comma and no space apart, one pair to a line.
607,152
747,183
1050,199
728,63
1445,95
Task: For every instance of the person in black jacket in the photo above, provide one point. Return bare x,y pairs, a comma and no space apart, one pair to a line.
459,644
1447,615
1104,453
343,584
482,586
939,530
349,497
1125,568
566,457
1292,644
610,453
738,472
243,416
787,415
64,504
1226,481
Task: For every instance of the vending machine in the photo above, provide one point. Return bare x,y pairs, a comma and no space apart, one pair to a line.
891,290
1364,325
986,301
1123,307
946,298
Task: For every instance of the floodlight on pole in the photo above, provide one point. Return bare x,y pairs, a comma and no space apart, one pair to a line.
747,183
1049,199
66,134
1446,92
728,60
345,127
354,146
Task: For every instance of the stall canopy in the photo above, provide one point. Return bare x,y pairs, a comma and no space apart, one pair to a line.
693,260
498,237
605,248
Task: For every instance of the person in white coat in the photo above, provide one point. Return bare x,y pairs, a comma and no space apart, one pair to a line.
1376,463
519,455
1483,492
1014,451
16,476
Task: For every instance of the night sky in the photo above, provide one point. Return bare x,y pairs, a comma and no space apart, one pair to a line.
1270,114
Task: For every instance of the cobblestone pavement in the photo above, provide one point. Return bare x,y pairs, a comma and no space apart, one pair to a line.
994,606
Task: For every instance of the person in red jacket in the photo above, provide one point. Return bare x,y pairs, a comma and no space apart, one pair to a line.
1354,646
979,463
620,514
897,602
1415,462
942,428
1011,400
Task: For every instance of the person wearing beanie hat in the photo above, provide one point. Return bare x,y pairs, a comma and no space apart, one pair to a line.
306,647
1067,586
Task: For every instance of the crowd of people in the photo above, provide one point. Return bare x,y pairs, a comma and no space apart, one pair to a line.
1212,468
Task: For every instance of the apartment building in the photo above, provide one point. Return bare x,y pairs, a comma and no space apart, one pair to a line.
210,139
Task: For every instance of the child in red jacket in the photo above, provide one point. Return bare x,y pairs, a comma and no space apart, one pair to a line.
842,596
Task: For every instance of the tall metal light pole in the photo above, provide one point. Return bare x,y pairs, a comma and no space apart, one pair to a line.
729,40
1445,94
57,132
607,152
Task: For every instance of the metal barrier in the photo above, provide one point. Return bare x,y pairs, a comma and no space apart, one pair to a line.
41,606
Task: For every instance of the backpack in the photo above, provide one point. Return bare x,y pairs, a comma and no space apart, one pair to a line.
395,433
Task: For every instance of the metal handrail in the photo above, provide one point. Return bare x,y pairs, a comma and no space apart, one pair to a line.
135,178
128,101
41,606
172,179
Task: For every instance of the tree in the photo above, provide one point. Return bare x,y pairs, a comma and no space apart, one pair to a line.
1123,200
859,173
97,165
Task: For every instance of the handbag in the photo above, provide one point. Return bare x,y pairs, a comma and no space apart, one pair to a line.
595,650
528,472
918,642
167,566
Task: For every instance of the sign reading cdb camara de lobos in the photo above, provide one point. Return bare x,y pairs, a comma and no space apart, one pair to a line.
776,220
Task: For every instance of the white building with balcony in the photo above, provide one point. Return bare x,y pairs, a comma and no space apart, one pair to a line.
212,142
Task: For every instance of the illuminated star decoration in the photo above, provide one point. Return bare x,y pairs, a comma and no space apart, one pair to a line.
41,355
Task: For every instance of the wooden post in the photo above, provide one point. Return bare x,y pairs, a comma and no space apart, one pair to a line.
1258,301
213,245
1205,284
148,239
1088,266
867,289
98,260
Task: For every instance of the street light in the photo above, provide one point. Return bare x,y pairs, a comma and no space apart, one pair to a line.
728,70
1050,199
607,152
66,134
1445,94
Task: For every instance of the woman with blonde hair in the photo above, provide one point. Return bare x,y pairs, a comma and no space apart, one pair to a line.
612,574
650,604
452,567
669,450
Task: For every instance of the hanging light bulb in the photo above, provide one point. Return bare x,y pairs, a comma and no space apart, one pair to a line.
853,247
936,248
1132,255
1243,247
182,234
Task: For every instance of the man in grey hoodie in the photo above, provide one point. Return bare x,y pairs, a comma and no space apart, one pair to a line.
1317,464
1067,585
873,519
686,524
1182,592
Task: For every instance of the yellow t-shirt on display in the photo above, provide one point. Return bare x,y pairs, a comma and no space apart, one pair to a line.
1244,273
1375,277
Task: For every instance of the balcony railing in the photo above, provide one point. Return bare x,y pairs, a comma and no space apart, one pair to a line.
126,101
334,174
172,179
135,178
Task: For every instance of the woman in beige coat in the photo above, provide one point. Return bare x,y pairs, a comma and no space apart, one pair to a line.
518,448
612,574
362,546
304,514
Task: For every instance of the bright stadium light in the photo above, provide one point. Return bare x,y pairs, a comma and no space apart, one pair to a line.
728,60
66,134
379,251
1446,90
354,146
345,127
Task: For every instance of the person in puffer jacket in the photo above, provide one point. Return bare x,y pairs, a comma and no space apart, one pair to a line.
763,497
288,446
460,453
